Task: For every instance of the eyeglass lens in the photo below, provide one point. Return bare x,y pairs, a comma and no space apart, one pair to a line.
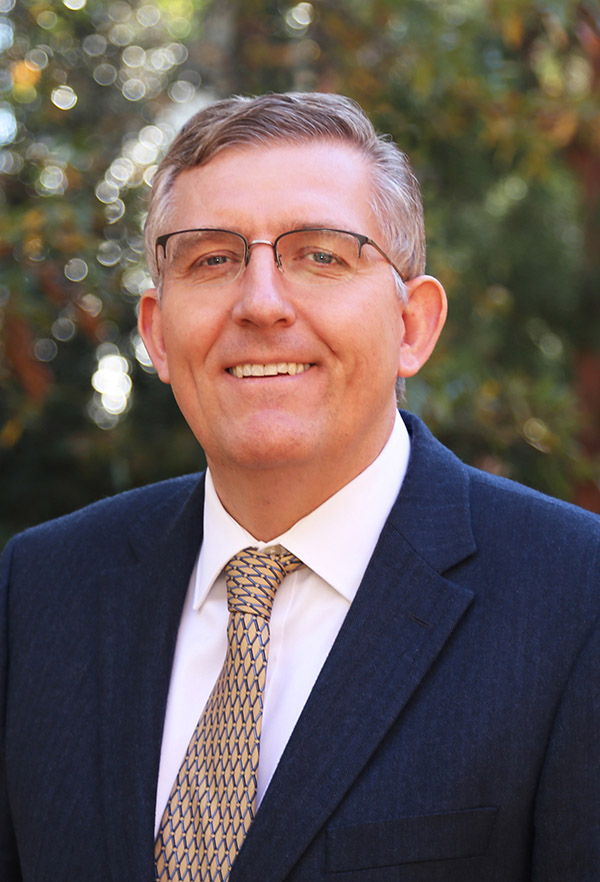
214,257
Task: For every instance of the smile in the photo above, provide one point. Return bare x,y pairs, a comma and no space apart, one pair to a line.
268,370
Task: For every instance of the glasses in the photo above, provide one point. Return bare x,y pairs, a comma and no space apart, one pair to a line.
314,256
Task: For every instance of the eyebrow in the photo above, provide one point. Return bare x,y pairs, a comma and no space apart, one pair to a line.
302,224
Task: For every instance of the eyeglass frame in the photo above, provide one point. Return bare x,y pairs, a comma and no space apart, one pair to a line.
161,241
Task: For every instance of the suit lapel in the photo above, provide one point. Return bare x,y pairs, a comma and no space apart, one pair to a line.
139,612
399,622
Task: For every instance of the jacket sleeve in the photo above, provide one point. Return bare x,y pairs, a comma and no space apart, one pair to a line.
9,861
567,815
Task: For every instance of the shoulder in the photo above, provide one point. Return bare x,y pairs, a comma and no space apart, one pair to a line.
491,497
526,517
539,545
104,527
512,527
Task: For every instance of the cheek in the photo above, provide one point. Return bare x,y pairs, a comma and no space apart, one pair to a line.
364,335
187,338
377,343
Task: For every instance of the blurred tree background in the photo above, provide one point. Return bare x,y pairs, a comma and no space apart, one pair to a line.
497,103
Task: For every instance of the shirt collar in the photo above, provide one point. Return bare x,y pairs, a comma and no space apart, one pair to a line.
336,540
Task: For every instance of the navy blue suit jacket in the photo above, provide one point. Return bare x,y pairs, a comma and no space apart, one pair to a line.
452,736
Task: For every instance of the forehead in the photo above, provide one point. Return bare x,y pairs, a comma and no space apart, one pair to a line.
264,190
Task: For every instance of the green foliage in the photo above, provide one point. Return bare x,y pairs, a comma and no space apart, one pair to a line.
496,103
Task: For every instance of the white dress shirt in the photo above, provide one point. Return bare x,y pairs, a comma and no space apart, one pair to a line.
335,542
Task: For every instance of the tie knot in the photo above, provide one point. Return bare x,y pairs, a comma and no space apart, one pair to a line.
253,577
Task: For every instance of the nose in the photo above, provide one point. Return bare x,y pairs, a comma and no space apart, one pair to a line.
262,298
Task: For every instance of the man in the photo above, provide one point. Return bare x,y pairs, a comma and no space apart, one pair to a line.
431,708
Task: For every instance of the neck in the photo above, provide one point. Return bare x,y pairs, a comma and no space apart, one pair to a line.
268,501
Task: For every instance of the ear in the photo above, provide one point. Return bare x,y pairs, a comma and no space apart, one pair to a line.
424,317
150,326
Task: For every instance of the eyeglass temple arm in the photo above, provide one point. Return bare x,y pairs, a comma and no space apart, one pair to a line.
365,240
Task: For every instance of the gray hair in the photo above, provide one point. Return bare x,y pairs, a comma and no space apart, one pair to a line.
299,117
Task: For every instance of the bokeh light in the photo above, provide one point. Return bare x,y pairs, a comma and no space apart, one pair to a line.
8,125
112,385
64,97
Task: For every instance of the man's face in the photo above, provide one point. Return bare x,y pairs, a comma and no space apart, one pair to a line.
335,415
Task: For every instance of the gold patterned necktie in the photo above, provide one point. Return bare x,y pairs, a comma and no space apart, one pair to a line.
213,800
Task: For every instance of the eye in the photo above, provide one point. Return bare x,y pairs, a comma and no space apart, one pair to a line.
318,253
313,258
206,266
323,257
211,256
215,259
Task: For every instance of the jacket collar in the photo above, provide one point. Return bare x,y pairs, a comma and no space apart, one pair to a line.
433,511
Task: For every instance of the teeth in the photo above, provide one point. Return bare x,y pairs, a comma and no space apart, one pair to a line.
268,370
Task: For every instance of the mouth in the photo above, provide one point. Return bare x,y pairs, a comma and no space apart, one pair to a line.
291,368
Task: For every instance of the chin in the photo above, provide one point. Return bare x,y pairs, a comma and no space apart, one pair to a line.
266,448
270,456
